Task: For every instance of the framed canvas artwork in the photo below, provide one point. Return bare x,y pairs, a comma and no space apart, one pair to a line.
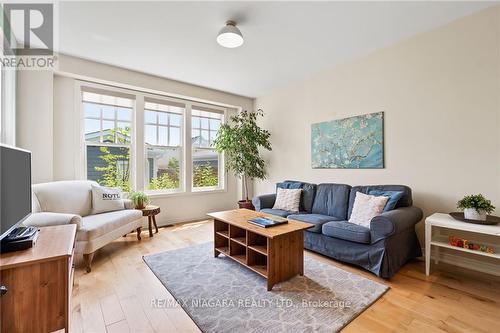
349,143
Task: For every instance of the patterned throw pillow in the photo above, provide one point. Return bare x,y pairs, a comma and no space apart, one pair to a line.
366,207
287,199
106,199
393,196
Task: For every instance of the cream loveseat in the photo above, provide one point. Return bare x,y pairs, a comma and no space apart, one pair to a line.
66,202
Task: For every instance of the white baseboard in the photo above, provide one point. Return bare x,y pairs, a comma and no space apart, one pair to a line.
460,261
165,222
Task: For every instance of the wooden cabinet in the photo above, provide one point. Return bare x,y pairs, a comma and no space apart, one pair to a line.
39,282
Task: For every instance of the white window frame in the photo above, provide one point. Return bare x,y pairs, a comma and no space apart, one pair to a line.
138,158
221,167
182,177
110,91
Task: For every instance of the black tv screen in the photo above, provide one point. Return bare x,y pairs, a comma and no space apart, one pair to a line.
15,184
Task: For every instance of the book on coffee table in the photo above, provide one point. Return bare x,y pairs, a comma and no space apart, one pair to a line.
266,222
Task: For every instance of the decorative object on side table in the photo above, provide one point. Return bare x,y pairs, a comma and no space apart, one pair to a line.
490,219
140,200
240,141
475,207
464,243
349,143
151,211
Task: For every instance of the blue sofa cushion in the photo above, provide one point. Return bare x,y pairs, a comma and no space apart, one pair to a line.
347,231
307,196
277,212
405,201
331,200
393,196
317,220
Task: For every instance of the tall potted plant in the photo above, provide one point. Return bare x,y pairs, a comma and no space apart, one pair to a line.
240,140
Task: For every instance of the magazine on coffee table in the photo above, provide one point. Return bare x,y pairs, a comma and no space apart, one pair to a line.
265,222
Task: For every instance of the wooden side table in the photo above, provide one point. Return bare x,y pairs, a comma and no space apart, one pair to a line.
437,240
39,282
151,211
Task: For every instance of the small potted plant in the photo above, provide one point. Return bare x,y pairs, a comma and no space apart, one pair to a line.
475,207
140,199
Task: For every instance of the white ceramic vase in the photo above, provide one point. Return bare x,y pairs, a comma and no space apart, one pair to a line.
473,214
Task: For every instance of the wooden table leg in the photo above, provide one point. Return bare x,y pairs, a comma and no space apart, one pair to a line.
154,222
150,221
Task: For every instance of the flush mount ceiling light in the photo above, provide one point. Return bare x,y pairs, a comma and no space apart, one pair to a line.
230,36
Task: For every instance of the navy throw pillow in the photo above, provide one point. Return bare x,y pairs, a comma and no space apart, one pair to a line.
394,197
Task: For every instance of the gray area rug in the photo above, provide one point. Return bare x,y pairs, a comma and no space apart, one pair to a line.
220,295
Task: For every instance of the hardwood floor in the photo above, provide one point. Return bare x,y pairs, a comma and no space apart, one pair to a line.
116,296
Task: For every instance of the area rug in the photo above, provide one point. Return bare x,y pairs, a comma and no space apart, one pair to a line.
220,295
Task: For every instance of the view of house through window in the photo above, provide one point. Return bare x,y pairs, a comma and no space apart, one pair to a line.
163,144
108,125
110,145
204,126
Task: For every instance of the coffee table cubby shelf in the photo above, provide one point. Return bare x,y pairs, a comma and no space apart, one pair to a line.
244,246
276,253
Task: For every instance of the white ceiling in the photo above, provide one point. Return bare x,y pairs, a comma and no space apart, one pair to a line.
284,41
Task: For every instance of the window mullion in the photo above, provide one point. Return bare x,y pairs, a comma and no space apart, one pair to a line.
157,125
101,139
139,144
168,129
188,150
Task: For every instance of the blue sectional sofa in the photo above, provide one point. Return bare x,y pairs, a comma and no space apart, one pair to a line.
382,249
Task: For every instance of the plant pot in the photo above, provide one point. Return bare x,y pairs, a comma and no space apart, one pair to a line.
140,205
245,204
473,214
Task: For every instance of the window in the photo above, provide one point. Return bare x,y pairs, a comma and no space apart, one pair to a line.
108,129
206,161
137,141
163,125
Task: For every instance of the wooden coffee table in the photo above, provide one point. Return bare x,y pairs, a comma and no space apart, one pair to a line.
276,253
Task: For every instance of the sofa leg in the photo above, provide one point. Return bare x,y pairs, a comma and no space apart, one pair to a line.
139,233
88,261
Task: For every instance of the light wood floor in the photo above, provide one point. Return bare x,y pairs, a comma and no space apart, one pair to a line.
116,296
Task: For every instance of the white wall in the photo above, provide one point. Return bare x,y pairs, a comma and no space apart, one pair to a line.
46,125
8,106
440,94
34,121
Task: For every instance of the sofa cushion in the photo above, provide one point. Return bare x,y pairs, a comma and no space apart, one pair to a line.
67,197
106,199
307,196
94,226
317,220
393,196
405,201
277,212
331,200
288,199
347,231
367,207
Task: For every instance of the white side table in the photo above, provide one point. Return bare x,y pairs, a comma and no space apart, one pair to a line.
446,221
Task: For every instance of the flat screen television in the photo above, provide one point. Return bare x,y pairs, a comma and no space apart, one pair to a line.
15,184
